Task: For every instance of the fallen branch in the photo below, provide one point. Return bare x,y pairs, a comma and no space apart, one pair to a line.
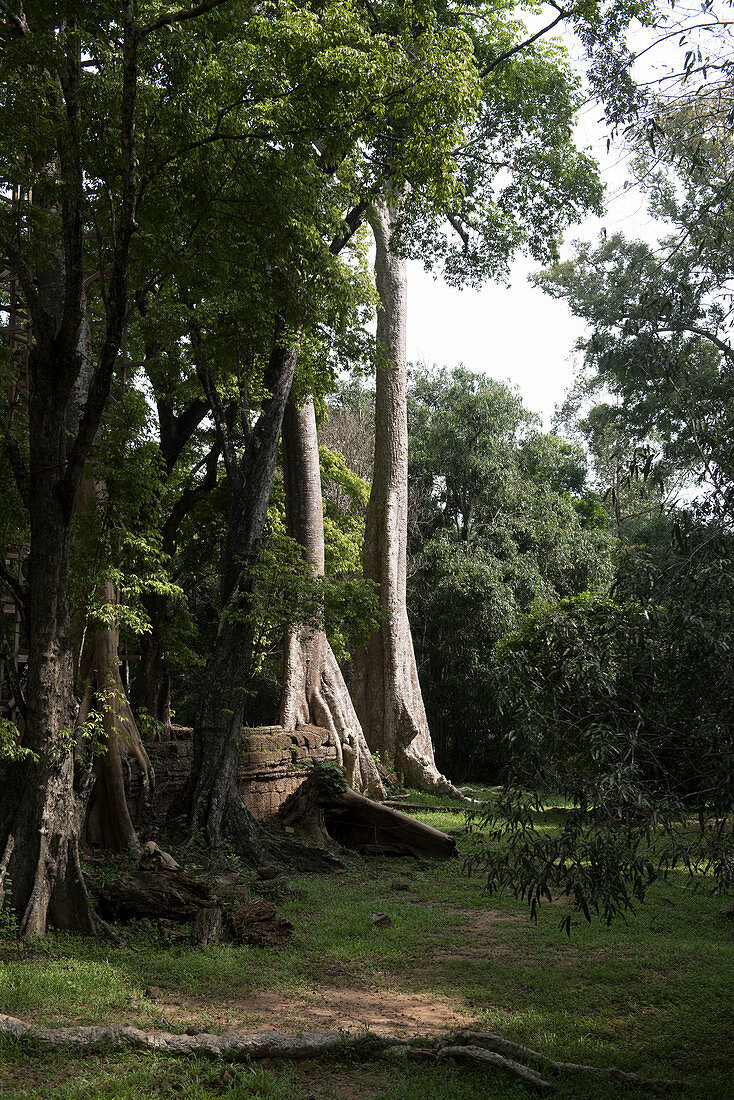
472,1046
478,1054
232,1045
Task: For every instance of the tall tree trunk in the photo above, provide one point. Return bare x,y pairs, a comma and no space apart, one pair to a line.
385,687
100,688
314,691
216,809
43,803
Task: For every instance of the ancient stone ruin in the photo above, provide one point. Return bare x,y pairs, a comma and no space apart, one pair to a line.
273,764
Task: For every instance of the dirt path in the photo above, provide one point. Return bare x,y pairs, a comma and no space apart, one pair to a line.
330,1006
342,1000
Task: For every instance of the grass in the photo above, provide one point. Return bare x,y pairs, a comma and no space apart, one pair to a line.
651,996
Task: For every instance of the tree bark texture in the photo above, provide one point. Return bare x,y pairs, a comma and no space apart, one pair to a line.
150,691
314,691
479,1048
216,809
385,687
99,687
43,804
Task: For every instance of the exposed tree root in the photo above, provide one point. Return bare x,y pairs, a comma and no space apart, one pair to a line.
472,1046
498,1045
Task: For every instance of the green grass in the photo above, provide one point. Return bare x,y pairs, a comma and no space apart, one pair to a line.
651,996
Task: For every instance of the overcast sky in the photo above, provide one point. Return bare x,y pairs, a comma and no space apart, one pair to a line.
517,332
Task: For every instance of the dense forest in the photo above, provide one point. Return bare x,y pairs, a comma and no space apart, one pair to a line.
228,501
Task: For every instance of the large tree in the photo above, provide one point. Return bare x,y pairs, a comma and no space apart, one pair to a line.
52,99
73,87
314,691
385,685
320,177
517,181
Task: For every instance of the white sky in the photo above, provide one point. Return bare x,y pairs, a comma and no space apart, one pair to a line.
518,333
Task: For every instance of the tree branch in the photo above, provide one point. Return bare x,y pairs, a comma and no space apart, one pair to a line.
501,58
21,269
190,497
18,22
456,225
220,421
181,16
722,345
99,388
352,221
177,430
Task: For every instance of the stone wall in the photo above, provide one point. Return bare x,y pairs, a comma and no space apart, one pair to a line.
273,764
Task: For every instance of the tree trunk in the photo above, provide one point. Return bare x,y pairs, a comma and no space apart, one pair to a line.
314,691
43,804
216,809
150,690
385,688
109,824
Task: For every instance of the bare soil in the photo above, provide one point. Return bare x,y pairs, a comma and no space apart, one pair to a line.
342,1001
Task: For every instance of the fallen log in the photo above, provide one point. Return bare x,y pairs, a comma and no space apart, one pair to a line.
361,819
232,1045
360,823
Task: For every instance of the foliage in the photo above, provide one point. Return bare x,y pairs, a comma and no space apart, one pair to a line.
287,594
329,778
11,748
657,357
502,516
609,708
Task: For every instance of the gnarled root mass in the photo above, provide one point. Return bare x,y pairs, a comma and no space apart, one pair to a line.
473,1046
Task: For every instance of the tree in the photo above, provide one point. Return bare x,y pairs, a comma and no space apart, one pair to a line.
44,84
620,702
507,134
502,517
66,83
385,686
314,691
315,213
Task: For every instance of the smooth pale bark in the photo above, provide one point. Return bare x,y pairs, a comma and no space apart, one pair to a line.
216,810
385,687
314,691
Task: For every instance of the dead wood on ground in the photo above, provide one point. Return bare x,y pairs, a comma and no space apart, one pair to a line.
472,1046
362,824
